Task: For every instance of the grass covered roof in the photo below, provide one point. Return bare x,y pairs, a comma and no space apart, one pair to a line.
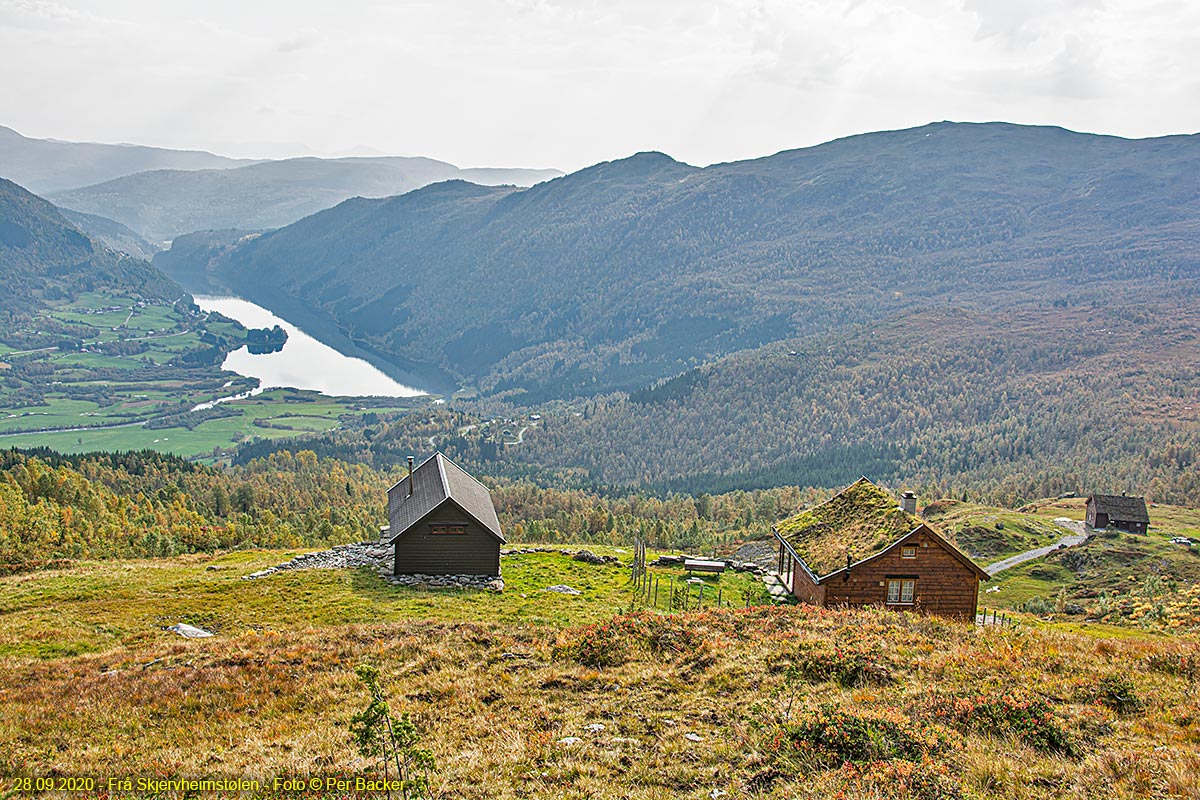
860,520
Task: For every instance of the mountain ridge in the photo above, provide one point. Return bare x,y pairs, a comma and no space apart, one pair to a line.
621,273
45,257
163,204
44,166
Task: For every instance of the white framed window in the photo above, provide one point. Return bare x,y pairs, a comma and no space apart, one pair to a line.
900,591
908,552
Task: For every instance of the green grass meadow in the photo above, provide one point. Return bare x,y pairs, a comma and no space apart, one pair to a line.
99,606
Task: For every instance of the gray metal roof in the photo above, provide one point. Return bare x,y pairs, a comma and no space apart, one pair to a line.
435,481
1122,508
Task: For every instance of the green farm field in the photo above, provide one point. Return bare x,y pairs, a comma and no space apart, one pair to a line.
89,374
274,414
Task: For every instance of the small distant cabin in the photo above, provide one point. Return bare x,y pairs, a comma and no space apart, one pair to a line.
1118,511
443,522
864,547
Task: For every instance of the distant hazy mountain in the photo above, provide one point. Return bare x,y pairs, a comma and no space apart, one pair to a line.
111,234
163,204
192,254
45,165
44,257
635,269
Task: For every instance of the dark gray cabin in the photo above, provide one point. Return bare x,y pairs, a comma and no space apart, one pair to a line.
1118,511
443,522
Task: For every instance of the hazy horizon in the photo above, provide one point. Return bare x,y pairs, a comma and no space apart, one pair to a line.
567,83
245,151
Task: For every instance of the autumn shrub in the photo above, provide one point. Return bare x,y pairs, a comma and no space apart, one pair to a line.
1177,663
1030,720
602,645
848,665
896,780
1115,692
1038,606
832,734
679,638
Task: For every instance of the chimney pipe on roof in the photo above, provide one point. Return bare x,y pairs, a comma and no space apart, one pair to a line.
410,479
908,502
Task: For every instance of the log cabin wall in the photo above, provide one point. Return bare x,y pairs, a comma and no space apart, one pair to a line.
804,589
942,584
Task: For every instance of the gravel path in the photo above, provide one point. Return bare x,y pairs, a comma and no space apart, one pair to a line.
1078,535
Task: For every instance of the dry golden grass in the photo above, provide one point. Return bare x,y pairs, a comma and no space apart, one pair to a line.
495,701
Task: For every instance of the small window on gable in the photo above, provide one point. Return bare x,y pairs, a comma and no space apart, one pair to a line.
908,552
442,529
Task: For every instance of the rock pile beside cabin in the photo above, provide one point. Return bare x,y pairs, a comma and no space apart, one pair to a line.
342,556
381,557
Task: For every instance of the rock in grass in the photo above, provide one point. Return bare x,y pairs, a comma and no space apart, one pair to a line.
693,737
562,588
569,740
189,631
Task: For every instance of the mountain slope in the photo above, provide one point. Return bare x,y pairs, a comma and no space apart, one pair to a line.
630,270
163,204
111,234
44,257
46,165
1013,406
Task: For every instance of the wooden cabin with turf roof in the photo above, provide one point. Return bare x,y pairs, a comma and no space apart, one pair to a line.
862,547
443,522
1121,511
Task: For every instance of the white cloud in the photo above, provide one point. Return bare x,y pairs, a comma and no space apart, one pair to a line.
1019,23
570,82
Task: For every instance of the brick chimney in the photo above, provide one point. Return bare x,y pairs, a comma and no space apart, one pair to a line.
908,502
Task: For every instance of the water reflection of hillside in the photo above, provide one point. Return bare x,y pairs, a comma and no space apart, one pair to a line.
281,355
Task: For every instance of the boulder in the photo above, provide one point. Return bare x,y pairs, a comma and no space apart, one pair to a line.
189,631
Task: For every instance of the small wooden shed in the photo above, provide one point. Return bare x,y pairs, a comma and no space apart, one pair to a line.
443,522
862,547
1118,511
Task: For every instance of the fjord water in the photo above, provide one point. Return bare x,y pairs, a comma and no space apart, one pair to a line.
304,362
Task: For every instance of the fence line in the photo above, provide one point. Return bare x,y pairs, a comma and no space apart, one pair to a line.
650,590
998,618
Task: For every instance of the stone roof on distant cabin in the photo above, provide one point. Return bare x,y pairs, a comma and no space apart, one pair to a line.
435,481
862,520
1122,508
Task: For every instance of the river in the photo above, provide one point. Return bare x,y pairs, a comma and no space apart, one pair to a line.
304,362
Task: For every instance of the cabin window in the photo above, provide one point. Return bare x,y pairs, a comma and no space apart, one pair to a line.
908,552
901,591
442,529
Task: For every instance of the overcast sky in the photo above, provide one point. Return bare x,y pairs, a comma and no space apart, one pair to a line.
567,83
